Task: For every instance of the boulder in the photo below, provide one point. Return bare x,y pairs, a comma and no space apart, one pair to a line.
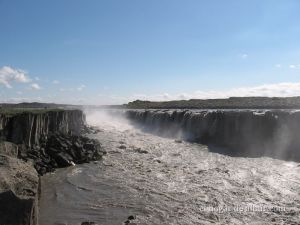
88,223
8,148
18,192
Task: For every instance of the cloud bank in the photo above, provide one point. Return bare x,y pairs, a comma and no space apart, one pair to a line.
35,86
268,90
9,75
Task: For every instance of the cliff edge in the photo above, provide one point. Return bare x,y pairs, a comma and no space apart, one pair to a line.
32,143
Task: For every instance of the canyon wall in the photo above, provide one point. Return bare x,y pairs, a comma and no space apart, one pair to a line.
248,133
33,142
29,127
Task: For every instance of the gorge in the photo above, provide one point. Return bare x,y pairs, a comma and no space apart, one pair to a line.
152,175
161,167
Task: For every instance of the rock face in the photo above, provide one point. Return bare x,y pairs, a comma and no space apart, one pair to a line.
237,133
31,144
18,192
61,150
29,127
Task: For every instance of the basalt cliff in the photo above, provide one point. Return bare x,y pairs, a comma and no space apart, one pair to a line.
247,133
33,142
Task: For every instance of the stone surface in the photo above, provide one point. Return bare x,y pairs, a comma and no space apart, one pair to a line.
9,149
37,142
60,150
30,127
246,133
18,192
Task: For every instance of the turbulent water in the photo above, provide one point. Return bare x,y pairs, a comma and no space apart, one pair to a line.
166,181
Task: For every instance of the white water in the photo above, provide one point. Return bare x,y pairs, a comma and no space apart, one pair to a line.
161,181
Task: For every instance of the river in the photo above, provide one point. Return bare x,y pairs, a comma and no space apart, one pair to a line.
161,180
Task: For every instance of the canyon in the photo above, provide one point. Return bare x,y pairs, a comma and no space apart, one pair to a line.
159,166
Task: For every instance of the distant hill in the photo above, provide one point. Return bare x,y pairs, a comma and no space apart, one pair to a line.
39,105
229,103
35,105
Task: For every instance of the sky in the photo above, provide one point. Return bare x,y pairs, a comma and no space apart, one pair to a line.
115,51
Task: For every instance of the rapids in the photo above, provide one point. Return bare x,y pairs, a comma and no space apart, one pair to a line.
167,181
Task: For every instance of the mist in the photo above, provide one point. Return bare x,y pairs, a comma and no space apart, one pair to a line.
112,118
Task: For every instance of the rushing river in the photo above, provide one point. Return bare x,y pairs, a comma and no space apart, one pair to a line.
165,181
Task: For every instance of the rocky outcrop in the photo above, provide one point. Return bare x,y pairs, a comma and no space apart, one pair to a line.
61,150
18,192
233,132
34,142
30,126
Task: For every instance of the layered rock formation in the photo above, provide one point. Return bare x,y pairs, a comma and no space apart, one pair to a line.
236,133
34,142
30,126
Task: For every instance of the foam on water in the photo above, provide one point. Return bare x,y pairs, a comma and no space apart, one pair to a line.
169,183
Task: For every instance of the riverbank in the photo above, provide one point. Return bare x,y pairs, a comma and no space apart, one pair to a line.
34,142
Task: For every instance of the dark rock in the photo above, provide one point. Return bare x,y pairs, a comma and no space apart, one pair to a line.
30,128
122,147
231,132
63,150
63,160
139,150
88,223
42,141
89,146
131,217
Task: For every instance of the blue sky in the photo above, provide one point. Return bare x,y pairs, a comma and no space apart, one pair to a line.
114,51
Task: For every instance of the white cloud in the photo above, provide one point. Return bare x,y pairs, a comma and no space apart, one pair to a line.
294,66
244,56
81,87
268,90
287,89
37,78
278,65
9,75
35,86
166,96
55,82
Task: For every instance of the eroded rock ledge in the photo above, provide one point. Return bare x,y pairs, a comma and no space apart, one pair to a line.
34,142
247,133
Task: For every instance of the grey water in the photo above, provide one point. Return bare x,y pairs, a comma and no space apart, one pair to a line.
165,181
